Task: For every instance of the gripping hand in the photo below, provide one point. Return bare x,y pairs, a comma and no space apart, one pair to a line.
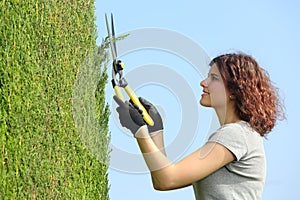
129,116
151,109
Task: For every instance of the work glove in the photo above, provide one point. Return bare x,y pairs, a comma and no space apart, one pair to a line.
131,117
154,114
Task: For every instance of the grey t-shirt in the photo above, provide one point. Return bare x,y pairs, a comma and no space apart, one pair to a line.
243,178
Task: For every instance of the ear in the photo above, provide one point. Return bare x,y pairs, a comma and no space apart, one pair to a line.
231,97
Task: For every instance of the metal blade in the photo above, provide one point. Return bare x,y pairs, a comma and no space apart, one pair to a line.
113,34
112,46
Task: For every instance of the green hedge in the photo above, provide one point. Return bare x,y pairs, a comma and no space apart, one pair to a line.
43,46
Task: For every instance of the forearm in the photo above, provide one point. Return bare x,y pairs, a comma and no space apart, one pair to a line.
158,140
167,175
154,157
152,148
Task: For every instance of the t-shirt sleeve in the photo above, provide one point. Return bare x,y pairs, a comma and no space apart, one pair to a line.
232,137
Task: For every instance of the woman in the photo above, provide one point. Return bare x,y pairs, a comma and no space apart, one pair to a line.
231,164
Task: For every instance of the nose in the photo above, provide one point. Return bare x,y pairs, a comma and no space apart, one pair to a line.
203,83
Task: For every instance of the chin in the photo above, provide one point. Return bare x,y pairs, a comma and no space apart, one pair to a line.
205,104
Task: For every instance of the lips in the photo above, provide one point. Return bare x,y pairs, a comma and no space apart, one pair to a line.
205,92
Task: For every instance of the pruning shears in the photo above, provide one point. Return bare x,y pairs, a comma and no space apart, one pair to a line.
117,69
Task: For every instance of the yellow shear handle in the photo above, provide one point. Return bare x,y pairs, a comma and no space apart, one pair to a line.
118,92
137,102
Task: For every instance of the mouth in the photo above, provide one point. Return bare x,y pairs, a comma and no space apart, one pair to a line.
205,92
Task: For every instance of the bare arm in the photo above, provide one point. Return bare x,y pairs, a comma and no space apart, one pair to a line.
158,140
167,175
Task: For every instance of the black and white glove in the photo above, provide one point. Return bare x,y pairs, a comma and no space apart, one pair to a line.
154,114
131,117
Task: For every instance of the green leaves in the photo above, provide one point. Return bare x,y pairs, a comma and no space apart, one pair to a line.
43,44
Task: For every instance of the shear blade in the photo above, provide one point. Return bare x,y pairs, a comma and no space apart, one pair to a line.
111,38
113,34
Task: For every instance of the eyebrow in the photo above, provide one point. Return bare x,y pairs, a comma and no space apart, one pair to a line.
212,74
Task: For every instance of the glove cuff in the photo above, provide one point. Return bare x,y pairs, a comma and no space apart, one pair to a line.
142,132
155,132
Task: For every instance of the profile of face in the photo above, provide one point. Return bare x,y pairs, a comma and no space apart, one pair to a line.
215,94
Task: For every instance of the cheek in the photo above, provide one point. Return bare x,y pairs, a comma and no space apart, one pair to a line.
219,97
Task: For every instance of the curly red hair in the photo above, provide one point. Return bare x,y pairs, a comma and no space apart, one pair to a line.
256,99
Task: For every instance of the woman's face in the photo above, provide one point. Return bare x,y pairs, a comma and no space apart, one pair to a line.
215,94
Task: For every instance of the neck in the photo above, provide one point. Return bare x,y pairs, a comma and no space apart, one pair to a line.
227,116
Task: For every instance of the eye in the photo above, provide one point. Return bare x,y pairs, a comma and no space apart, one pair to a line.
214,77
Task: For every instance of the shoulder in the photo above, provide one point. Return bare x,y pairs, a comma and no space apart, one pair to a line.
237,130
237,137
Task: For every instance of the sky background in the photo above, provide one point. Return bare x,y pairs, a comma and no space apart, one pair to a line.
267,30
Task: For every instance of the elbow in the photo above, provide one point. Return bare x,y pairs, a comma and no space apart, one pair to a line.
163,185
168,186
157,187
165,180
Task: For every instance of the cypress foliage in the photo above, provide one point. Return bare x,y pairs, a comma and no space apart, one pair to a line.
43,156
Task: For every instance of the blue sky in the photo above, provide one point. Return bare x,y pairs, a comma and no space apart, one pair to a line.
268,30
